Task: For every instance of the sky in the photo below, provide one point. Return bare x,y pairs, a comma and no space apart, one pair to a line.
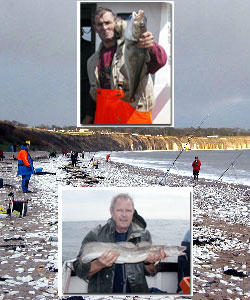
38,62
86,204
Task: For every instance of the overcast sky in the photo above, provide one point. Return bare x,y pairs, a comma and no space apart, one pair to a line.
150,202
211,62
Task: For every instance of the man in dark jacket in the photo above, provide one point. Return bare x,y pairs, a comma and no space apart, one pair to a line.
102,274
184,260
25,166
74,156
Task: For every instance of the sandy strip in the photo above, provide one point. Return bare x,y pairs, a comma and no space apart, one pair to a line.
28,261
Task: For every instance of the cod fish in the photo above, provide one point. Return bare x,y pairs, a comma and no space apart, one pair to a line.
129,252
134,58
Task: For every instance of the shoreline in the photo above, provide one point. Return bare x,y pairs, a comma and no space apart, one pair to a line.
215,166
220,231
181,178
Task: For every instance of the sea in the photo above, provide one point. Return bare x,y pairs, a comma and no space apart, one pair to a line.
232,165
163,232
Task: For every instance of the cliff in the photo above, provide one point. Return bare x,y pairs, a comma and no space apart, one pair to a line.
49,141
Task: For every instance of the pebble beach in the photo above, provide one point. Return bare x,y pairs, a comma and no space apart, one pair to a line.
28,260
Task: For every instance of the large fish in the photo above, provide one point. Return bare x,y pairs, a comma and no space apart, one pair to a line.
134,57
129,252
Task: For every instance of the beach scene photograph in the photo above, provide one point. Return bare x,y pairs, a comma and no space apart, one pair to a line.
58,176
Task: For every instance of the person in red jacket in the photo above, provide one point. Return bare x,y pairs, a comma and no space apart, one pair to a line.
107,157
196,167
1,155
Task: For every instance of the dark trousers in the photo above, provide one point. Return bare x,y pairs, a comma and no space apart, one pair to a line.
196,174
25,183
73,162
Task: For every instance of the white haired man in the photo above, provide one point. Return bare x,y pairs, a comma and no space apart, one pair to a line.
103,274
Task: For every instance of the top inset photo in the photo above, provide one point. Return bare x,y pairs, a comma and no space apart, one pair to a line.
125,64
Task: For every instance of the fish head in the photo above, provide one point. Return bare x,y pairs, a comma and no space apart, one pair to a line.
140,23
174,250
136,26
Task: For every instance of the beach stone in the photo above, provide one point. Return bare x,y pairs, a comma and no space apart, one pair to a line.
20,270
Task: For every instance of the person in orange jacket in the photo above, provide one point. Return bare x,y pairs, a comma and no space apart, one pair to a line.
196,167
25,167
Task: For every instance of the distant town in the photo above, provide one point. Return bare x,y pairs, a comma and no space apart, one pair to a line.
147,131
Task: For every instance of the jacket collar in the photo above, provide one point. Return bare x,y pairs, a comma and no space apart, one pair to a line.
24,148
118,41
134,229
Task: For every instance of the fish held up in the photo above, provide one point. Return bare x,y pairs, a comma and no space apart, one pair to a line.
134,57
128,252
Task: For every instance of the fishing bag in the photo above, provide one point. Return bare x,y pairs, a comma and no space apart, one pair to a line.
20,206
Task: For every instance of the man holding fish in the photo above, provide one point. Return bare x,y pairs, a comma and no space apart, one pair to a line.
105,273
119,72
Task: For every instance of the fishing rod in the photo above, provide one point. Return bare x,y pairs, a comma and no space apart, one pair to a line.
231,165
163,180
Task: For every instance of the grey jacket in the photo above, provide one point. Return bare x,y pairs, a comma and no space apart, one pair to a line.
102,282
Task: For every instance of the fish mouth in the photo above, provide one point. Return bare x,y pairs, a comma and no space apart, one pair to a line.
139,13
134,14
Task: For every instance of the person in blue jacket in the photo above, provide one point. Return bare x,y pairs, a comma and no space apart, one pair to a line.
25,167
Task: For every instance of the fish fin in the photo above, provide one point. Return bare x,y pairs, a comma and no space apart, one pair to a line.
127,245
143,245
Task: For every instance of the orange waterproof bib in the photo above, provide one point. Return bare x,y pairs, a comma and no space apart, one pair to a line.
111,110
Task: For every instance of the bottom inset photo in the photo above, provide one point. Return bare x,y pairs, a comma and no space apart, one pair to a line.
126,240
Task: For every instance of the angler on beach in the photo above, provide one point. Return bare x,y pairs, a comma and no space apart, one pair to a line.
25,166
